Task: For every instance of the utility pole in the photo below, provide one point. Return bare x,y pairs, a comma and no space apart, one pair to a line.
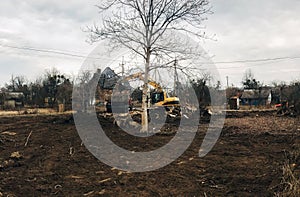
175,76
122,65
227,81
155,71
13,82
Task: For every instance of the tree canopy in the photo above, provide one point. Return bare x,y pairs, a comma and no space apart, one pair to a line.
249,82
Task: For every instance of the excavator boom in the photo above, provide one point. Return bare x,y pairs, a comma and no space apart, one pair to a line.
160,98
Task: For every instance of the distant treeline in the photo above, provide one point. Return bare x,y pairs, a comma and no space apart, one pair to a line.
48,90
54,88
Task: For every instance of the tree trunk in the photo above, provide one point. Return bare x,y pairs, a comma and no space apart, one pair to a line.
145,93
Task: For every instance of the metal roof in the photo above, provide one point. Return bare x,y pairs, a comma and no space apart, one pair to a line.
108,79
14,95
255,94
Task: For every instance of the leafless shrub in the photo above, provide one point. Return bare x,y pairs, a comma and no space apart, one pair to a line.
290,181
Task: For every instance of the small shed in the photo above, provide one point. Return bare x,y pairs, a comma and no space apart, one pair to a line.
13,100
234,103
256,97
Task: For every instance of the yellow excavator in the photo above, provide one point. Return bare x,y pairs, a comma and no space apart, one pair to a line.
159,97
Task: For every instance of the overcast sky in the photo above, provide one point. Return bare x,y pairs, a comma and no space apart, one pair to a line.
245,30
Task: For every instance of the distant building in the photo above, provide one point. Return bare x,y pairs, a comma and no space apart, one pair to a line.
256,97
108,79
106,82
13,100
234,103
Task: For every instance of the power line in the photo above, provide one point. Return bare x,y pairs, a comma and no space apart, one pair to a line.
70,54
58,52
245,66
255,60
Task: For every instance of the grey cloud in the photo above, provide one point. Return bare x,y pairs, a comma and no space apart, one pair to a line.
253,30
245,30
76,10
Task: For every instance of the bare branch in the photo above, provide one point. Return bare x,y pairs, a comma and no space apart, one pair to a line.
147,27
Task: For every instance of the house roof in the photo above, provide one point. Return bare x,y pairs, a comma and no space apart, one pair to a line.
108,79
255,94
14,95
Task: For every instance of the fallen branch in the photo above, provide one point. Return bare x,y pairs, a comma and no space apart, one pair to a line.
89,193
105,180
27,139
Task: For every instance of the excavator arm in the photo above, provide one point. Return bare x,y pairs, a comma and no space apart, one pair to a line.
140,76
165,101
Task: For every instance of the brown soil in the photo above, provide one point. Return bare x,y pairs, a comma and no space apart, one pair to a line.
246,161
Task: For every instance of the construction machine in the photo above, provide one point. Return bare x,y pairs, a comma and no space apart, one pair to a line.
159,97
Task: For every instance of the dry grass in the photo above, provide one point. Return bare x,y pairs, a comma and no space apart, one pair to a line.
290,181
8,113
42,111
263,107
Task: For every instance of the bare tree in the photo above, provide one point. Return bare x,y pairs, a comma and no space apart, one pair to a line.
144,27
249,82
83,80
16,83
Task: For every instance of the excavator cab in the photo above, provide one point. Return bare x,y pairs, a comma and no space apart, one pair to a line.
157,97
